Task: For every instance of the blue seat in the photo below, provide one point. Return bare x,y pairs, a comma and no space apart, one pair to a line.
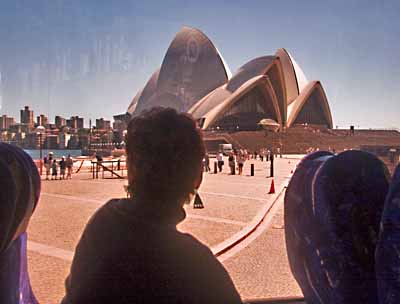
333,207
19,194
388,248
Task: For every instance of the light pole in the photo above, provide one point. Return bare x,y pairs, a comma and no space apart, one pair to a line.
39,132
90,137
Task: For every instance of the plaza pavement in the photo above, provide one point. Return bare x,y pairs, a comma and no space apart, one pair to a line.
258,265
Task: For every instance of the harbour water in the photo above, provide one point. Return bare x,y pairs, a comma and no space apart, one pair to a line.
35,154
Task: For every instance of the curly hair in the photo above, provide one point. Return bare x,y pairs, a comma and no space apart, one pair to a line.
165,151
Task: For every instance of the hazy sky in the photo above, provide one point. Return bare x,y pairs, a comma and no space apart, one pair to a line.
91,57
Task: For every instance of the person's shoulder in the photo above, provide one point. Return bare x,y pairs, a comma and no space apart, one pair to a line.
109,206
208,271
103,225
188,238
196,249
105,214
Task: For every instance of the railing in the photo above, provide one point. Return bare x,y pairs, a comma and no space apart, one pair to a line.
100,166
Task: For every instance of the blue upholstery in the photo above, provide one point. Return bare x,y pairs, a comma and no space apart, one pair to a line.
388,249
333,206
19,194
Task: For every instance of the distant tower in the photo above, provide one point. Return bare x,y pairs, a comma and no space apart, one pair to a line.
60,122
27,117
42,120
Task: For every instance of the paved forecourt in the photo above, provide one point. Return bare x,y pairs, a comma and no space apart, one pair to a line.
231,203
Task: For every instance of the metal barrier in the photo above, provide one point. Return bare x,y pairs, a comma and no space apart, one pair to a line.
101,166
80,167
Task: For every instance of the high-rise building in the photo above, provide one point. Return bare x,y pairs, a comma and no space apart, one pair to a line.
120,122
42,120
75,122
60,122
6,122
27,117
79,122
102,124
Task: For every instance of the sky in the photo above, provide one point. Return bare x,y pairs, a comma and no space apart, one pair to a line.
90,57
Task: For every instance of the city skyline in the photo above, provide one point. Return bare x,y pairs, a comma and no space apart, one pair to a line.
37,131
90,59
44,117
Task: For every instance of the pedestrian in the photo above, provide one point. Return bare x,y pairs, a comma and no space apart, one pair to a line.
232,163
54,170
45,160
279,151
99,158
47,164
241,160
262,155
70,164
63,166
220,161
246,154
207,163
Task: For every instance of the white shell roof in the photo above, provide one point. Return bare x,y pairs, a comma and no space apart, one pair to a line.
192,68
195,78
300,76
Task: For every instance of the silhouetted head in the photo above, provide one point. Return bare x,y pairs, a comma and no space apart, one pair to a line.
164,154
19,193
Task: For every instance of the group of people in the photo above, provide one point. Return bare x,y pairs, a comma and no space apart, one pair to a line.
52,165
238,157
265,154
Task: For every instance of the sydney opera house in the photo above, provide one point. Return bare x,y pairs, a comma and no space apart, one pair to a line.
194,78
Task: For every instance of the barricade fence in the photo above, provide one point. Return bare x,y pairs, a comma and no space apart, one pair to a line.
115,167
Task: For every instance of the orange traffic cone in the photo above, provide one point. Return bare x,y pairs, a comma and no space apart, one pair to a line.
272,188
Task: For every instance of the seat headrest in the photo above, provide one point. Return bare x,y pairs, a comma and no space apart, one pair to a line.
19,193
333,207
387,251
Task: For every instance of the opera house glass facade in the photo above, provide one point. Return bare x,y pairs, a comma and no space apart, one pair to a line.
194,78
